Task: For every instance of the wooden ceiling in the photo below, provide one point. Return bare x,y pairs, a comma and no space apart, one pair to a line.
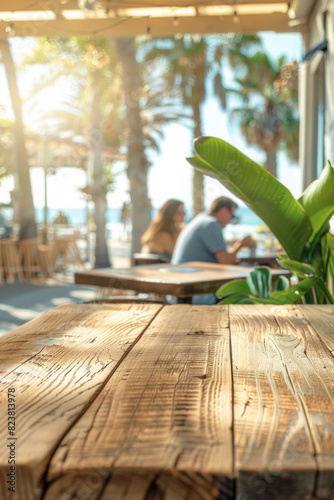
119,18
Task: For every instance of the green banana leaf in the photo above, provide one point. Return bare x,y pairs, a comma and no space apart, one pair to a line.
294,293
298,267
282,284
255,290
318,199
321,287
259,282
234,286
327,249
262,192
237,298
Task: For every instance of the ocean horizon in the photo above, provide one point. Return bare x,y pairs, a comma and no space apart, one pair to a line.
78,216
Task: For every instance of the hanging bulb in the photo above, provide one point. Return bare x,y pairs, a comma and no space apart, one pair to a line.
87,4
107,9
176,21
235,17
148,33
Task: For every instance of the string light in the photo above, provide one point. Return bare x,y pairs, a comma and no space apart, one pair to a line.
10,29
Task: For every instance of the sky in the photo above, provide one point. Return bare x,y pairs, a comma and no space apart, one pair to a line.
170,175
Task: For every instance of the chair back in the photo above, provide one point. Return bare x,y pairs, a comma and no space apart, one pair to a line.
143,259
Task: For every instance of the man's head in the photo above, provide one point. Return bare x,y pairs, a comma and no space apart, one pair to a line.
223,209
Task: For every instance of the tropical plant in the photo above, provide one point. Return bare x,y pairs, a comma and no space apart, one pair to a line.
26,216
256,289
268,119
301,226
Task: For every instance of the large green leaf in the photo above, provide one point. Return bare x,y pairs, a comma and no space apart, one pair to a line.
237,298
327,249
282,284
234,286
298,267
259,282
294,293
262,192
318,199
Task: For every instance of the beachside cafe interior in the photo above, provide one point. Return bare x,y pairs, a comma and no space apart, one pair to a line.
138,399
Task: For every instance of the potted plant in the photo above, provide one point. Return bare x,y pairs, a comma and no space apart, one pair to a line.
300,225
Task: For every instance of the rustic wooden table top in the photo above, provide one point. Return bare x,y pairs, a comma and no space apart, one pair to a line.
178,402
181,280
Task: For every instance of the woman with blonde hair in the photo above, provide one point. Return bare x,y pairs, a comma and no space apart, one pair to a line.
161,235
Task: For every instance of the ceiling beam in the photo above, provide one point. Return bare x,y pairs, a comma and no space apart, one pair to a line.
129,27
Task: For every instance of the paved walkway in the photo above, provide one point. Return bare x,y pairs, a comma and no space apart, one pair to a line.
22,302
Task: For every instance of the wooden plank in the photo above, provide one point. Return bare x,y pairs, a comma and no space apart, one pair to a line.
272,373
321,319
167,408
139,484
57,364
163,26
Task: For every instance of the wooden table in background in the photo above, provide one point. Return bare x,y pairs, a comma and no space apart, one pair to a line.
181,280
181,402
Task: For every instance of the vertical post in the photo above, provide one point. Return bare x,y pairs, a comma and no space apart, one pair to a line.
45,167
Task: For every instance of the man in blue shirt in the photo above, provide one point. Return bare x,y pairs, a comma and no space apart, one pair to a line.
203,241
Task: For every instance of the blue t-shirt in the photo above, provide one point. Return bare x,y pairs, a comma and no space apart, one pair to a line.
199,241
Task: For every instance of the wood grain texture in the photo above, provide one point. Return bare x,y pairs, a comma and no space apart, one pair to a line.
150,402
57,363
167,407
321,319
271,374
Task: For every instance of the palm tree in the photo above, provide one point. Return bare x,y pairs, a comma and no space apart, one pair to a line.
149,105
138,163
185,68
92,67
28,228
266,119
188,63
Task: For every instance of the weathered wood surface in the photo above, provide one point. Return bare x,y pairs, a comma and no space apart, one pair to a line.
57,364
167,407
181,280
202,403
283,402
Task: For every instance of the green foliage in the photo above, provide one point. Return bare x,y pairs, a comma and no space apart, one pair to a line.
255,290
301,226
262,192
267,118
